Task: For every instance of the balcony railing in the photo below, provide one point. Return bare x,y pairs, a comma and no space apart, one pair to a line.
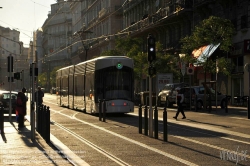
103,12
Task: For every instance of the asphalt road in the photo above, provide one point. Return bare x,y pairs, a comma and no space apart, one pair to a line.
215,138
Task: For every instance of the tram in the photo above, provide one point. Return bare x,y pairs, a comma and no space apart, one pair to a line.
109,78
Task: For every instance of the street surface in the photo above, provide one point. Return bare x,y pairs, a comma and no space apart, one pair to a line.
203,138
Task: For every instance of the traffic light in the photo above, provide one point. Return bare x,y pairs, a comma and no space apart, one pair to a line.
151,48
10,63
151,71
17,76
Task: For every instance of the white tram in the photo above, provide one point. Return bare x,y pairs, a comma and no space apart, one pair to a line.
109,78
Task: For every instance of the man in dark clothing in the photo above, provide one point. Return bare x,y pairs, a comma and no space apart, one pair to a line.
179,101
25,99
39,96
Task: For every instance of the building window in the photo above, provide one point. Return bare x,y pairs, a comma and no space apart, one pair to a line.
243,21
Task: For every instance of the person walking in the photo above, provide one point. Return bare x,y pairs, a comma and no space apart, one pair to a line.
179,101
24,99
20,109
39,96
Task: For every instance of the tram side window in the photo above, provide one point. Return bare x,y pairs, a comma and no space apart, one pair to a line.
98,85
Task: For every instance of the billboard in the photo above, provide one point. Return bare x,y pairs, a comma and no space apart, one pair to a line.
163,79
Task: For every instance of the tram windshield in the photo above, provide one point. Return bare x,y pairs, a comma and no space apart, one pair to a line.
112,83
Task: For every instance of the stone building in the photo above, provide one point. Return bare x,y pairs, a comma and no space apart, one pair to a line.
10,45
95,24
171,20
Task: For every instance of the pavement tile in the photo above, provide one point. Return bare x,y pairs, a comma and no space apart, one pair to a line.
17,147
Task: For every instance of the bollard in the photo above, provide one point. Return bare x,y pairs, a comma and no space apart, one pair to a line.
156,122
146,120
226,109
140,119
47,137
104,111
248,107
165,126
100,110
43,121
38,119
195,103
1,120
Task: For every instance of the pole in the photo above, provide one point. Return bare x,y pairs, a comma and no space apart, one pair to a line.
140,118
248,108
84,83
150,109
32,113
10,62
190,93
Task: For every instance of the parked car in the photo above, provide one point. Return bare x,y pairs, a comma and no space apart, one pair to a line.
197,92
53,90
5,100
167,95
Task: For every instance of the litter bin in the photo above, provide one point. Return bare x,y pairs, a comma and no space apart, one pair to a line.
145,98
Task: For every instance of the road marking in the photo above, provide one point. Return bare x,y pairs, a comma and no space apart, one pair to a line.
206,127
238,118
97,148
134,142
206,144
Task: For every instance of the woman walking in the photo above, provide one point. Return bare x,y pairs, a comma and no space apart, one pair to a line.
20,109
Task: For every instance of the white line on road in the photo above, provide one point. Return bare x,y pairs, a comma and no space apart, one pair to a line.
134,142
205,127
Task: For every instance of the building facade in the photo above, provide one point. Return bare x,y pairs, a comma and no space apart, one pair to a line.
57,36
95,25
10,45
171,20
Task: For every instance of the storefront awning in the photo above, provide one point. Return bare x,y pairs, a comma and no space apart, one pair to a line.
204,52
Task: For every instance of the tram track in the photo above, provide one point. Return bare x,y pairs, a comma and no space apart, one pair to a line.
92,145
109,155
174,157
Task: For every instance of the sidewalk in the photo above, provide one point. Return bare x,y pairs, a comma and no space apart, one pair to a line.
17,148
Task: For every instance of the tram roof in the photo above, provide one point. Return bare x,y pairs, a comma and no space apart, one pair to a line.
104,57
95,59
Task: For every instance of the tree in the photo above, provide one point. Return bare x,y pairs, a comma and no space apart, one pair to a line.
43,78
212,31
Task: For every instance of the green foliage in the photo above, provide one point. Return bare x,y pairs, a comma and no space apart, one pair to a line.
166,63
42,78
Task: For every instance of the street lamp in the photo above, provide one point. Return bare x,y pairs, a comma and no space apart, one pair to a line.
85,46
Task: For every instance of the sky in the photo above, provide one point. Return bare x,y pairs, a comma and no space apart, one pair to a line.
25,16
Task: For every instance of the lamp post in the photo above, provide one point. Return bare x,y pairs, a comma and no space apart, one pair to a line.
85,46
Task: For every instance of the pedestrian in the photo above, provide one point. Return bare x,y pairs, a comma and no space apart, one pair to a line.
20,109
39,96
25,99
179,101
